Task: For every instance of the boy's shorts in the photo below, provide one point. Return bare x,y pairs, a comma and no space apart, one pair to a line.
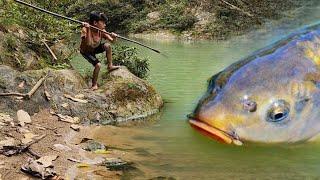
91,57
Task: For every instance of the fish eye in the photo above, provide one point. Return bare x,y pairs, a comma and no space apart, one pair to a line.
278,111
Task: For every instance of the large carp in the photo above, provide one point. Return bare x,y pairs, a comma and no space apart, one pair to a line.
272,96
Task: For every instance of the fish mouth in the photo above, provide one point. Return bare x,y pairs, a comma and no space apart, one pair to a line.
215,133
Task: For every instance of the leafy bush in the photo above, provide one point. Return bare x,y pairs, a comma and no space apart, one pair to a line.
35,27
174,16
128,56
11,42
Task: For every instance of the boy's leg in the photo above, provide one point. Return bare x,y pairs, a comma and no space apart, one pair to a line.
108,49
97,66
95,76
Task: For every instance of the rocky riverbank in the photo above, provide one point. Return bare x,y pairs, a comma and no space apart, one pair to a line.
60,105
122,96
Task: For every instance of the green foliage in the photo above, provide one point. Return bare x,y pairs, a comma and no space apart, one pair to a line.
130,16
11,42
174,16
37,26
128,56
120,13
132,86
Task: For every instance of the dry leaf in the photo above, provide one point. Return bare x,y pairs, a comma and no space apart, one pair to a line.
28,137
46,161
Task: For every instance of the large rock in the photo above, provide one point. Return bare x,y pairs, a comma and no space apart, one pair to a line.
122,97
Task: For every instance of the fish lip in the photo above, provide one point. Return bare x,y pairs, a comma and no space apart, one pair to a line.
215,133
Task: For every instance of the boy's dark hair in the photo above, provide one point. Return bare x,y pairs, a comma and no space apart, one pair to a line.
96,16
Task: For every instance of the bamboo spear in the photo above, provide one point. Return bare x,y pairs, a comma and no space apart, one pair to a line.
80,22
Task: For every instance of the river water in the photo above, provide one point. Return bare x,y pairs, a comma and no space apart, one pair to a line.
176,150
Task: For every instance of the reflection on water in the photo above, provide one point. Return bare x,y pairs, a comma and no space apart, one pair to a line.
180,152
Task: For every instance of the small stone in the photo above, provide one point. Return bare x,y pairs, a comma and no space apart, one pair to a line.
23,117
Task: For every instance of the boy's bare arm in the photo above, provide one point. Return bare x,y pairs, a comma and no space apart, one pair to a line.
85,32
112,38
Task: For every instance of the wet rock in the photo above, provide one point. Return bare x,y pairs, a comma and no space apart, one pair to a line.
92,146
116,164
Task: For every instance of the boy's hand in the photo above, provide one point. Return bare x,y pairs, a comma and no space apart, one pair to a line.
85,24
114,35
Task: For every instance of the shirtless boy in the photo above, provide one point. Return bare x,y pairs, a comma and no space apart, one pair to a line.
92,44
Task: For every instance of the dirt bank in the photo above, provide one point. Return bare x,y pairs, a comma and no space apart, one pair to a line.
81,155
